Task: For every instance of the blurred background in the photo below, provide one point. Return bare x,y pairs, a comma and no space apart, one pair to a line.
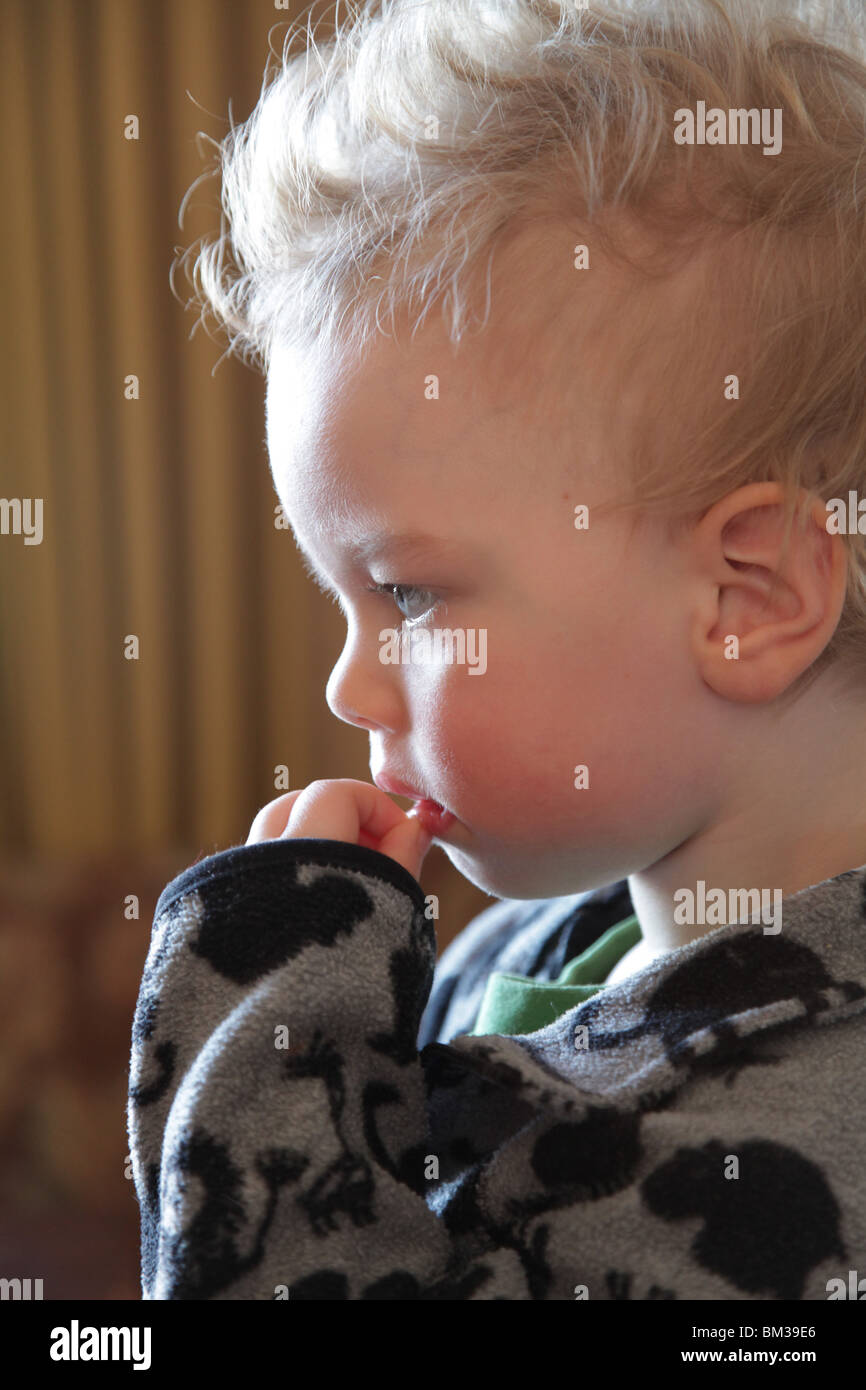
119,767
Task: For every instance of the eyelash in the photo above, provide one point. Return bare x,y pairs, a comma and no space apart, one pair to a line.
388,590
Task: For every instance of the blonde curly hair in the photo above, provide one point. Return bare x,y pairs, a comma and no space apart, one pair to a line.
384,165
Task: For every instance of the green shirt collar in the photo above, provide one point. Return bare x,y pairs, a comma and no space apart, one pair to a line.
514,1004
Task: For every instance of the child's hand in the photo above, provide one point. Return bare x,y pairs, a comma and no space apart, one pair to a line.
355,812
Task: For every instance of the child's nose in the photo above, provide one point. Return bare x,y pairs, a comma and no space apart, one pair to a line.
364,692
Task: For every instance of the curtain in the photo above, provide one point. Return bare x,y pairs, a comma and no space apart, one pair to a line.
161,650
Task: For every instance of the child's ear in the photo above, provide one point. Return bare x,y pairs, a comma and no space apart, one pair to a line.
764,615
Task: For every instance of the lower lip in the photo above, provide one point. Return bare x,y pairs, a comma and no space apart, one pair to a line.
434,818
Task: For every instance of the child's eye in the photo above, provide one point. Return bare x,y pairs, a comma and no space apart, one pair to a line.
396,590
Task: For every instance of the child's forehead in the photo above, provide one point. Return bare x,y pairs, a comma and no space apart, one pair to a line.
561,344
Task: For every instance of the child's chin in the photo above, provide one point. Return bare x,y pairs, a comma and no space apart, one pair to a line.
491,875
505,872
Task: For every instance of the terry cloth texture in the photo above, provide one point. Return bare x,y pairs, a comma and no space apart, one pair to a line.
308,1120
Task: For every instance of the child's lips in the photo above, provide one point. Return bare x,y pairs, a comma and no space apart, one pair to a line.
396,787
431,814
433,817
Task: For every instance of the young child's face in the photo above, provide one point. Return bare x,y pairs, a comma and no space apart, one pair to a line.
587,630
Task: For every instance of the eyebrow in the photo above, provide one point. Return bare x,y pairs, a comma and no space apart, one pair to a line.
397,548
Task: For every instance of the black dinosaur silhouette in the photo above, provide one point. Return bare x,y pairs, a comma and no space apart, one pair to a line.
764,1230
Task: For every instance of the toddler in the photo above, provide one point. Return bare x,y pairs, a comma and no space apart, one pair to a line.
562,310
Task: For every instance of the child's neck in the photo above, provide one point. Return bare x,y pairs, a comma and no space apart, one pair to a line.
801,821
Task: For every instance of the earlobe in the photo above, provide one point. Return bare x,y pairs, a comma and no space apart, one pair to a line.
767,614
